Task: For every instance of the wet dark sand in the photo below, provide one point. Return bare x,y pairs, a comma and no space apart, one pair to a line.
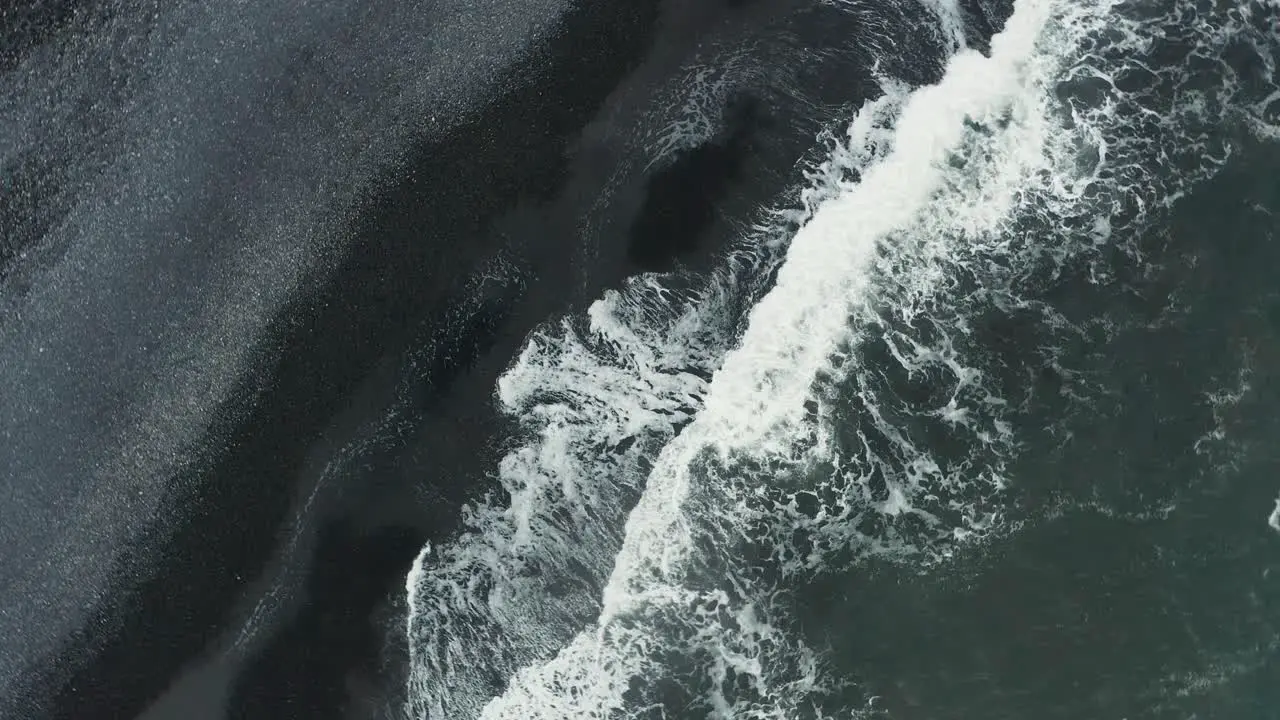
335,365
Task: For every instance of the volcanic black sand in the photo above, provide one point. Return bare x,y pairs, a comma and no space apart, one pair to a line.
389,322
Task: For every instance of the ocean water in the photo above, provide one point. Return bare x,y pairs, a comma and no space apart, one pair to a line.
989,443
807,359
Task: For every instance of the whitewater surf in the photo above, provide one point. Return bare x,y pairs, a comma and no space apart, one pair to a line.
859,412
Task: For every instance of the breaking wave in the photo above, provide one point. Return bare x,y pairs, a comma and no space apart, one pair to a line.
695,449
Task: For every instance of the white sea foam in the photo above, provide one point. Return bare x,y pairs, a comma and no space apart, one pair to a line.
799,456
756,408
595,401
704,93
1274,519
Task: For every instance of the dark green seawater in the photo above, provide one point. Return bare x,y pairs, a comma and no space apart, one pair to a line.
1143,580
